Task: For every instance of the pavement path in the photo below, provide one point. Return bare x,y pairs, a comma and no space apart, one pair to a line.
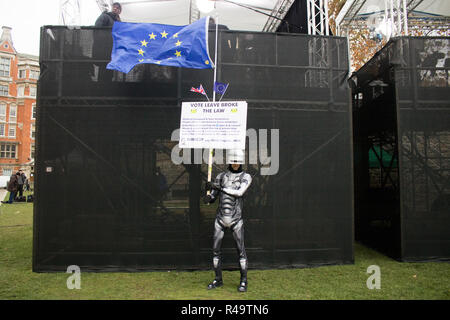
3,193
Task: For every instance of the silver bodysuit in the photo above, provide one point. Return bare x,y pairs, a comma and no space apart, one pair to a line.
231,189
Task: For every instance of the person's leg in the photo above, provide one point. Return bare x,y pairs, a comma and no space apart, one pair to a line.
20,190
217,263
11,197
238,235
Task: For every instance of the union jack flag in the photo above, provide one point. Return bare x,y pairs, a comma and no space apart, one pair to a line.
199,90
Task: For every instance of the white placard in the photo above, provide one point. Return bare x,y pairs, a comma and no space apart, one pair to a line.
214,125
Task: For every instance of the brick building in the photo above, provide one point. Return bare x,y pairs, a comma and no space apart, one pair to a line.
18,85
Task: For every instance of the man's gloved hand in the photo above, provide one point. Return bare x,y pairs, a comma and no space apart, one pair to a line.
207,199
212,186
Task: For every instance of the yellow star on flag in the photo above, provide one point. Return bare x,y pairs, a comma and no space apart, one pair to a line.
141,52
178,43
141,60
175,35
206,62
152,36
158,62
164,34
178,53
144,43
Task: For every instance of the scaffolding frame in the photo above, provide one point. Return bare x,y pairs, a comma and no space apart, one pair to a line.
278,13
194,13
69,12
317,15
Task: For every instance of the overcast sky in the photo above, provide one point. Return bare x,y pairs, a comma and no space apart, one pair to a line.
25,17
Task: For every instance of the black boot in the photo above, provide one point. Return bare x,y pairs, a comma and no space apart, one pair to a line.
242,286
243,283
215,284
217,263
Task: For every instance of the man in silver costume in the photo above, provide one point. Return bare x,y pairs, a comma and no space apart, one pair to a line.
229,187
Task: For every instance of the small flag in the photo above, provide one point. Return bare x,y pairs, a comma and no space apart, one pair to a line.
199,90
220,87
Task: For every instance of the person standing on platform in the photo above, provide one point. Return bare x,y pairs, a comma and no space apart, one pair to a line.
100,50
107,19
229,187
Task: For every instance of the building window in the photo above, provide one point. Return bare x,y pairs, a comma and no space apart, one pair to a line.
33,130
2,129
33,111
12,131
33,91
2,112
8,150
7,172
12,113
4,90
32,151
34,74
4,66
22,74
20,91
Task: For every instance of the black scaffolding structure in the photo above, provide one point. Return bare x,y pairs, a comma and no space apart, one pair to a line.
104,138
401,112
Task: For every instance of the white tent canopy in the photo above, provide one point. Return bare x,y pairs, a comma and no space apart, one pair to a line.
433,7
177,12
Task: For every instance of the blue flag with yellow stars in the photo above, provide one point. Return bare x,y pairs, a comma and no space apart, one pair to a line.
167,45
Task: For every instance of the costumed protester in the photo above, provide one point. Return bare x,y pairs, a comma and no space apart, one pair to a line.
229,187
106,19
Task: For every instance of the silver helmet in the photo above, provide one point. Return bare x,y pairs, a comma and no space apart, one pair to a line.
235,156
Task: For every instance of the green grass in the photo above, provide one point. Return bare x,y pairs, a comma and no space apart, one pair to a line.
398,280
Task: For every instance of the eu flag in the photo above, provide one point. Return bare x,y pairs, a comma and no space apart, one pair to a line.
220,87
168,45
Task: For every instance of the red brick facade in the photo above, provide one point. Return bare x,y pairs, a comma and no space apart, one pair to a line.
18,87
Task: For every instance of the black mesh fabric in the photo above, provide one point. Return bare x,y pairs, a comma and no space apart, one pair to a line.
102,135
401,103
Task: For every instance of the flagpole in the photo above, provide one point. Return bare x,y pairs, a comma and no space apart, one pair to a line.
214,95
215,57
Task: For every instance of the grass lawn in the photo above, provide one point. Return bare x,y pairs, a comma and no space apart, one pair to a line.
398,280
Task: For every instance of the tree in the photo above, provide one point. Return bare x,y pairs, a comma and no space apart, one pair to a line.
362,47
